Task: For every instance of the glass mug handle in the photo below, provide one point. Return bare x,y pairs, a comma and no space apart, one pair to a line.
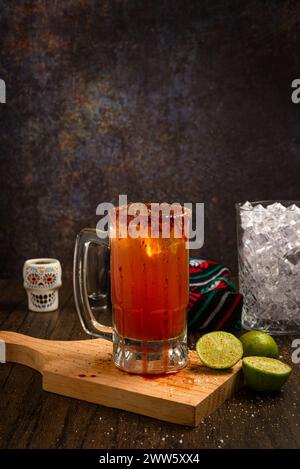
85,239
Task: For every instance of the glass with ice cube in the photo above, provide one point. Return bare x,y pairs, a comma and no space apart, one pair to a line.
269,265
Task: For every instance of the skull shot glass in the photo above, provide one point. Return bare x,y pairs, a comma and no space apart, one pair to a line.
42,279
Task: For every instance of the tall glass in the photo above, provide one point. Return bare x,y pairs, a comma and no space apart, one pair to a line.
269,265
149,280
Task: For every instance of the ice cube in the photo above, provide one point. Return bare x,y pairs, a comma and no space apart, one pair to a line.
247,206
259,208
287,235
246,220
293,256
261,242
293,208
276,207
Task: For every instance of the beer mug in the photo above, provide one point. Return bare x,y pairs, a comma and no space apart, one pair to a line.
145,281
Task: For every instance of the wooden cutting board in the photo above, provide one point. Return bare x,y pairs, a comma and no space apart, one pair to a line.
84,370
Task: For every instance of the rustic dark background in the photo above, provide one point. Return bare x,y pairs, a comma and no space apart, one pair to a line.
163,100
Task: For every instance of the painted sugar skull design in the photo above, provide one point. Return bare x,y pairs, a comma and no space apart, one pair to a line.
42,279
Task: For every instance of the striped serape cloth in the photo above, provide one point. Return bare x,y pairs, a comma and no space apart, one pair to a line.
214,302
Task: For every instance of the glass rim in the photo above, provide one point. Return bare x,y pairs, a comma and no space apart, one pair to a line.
285,202
186,212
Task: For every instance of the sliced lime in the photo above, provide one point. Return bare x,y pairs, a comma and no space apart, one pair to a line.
260,344
265,373
219,350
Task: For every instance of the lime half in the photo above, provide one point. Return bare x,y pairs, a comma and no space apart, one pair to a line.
265,373
219,350
260,344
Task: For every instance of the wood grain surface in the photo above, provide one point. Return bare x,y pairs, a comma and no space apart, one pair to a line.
33,418
84,369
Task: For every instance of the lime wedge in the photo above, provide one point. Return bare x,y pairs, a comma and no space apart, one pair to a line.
265,373
219,350
260,344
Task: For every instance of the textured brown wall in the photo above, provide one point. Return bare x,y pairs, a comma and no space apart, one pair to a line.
163,100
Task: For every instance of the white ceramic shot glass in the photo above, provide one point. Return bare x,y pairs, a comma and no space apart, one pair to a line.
42,279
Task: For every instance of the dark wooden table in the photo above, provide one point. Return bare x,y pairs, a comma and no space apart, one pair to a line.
33,418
